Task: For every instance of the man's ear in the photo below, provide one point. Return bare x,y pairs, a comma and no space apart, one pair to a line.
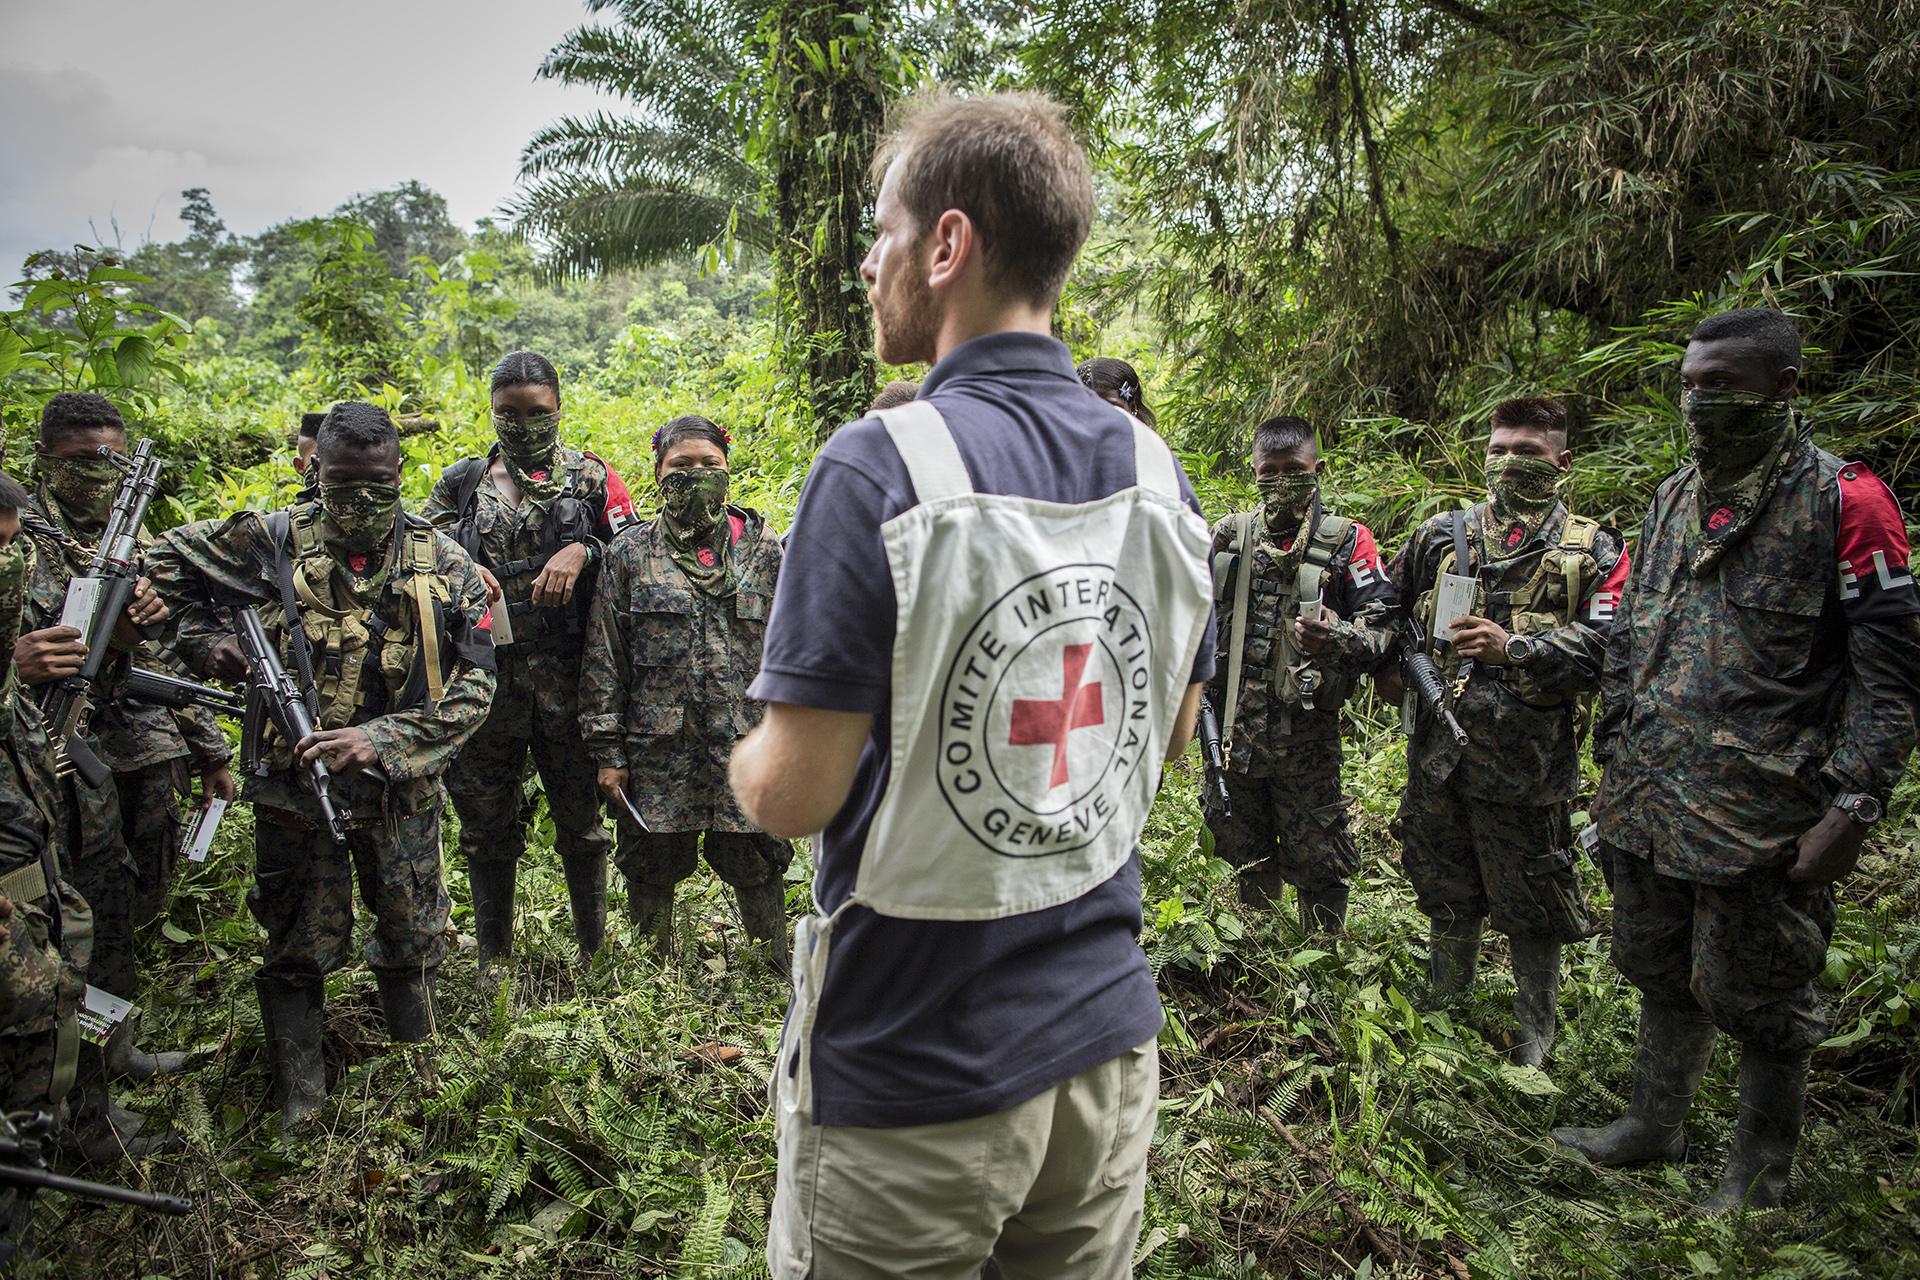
1320,466
1785,383
1564,460
953,246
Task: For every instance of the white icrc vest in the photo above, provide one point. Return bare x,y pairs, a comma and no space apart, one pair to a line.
1041,653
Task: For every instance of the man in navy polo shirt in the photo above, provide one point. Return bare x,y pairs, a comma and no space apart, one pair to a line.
991,627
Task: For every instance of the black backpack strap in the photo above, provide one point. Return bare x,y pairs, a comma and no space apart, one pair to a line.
1462,561
466,477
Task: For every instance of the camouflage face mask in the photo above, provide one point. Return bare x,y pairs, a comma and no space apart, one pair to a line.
362,511
84,486
1522,493
530,447
1733,434
1284,499
694,497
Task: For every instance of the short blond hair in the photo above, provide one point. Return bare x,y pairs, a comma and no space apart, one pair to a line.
1009,162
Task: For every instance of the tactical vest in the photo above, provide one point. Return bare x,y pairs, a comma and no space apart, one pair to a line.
1264,608
409,663
1545,602
558,629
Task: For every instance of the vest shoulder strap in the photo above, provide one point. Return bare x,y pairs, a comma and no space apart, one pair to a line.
1317,559
466,476
926,445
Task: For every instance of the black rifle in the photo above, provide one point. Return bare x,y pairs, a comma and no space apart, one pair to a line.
23,1163
1424,679
1215,799
275,696
115,567
164,690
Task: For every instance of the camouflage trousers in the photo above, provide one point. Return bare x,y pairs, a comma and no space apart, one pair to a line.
1748,952
303,895
130,845
663,859
532,714
1512,864
1293,826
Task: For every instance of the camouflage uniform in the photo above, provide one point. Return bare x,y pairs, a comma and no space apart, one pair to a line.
664,696
536,703
1485,827
303,888
1738,705
130,827
1288,818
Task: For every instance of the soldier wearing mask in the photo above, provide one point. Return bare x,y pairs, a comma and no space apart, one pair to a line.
1485,828
1289,577
46,928
536,516
676,627
129,842
383,616
1762,689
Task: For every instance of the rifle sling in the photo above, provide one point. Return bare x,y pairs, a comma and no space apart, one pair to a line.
279,529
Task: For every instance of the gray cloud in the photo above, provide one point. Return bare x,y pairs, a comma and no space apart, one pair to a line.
281,110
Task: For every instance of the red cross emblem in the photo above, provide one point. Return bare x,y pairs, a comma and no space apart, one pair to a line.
1044,722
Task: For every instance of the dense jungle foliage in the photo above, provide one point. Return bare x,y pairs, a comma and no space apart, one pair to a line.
1384,216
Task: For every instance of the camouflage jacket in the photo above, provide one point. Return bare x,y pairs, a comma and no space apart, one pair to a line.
1521,722
1267,735
664,690
1739,704
203,570
514,542
130,735
40,983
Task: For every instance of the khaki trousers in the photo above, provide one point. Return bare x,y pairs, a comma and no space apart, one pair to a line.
1050,1188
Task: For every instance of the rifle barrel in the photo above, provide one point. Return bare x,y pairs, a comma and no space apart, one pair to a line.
40,1179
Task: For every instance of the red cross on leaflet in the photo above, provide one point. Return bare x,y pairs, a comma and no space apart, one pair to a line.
1042,722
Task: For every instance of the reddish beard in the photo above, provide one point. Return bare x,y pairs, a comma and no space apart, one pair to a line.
905,324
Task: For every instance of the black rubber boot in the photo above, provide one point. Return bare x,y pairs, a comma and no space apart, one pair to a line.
650,911
1261,887
763,914
1668,1064
127,1060
1536,972
102,1131
1323,910
292,1012
491,883
1773,1104
1453,957
587,893
407,1000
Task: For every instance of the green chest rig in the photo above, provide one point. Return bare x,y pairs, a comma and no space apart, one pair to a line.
368,659
1545,602
1297,679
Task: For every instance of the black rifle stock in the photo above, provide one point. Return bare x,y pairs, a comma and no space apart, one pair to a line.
1215,799
115,566
275,696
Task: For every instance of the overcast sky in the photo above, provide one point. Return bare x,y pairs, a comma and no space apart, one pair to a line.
110,108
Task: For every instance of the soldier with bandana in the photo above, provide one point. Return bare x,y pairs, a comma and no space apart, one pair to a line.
676,629
538,515
391,615
1485,829
1762,697
129,841
1289,577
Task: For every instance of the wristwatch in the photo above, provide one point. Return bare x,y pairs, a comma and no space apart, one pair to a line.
1862,808
1520,650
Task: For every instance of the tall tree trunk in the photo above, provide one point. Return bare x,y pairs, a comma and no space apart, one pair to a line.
830,81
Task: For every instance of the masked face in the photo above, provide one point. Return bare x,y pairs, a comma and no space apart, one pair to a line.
530,438
13,593
694,497
362,511
1732,433
1523,491
84,486
1285,499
